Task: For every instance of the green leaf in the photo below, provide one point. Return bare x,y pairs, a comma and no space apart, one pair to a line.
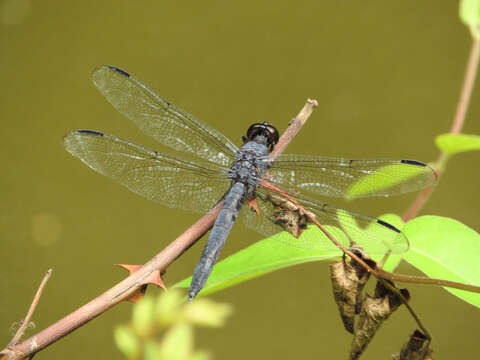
177,342
446,249
392,177
261,258
454,144
469,12
143,316
126,341
205,312
282,250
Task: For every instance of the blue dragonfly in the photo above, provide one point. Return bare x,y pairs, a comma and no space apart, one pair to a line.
244,177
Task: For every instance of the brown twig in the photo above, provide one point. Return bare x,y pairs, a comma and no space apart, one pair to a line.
32,308
457,125
427,281
133,283
293,128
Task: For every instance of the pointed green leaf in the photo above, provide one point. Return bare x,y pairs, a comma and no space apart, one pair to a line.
282,250
469,12
454,144
446,249
261,258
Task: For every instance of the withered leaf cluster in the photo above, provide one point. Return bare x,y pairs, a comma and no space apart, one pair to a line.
363,314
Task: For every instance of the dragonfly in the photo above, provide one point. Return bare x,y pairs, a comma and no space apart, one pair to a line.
244,177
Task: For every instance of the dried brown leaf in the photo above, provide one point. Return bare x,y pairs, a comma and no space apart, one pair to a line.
375,310
348,281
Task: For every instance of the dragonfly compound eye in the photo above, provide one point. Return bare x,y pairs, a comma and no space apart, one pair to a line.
265,129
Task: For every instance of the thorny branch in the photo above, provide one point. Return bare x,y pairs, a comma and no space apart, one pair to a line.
144,275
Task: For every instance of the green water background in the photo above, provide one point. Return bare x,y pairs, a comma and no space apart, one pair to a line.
387,77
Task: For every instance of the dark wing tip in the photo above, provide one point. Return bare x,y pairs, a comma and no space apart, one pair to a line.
421,164
74,135
90,132
120,71
413,162
387,225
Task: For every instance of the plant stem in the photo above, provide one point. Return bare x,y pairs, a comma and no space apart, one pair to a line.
457,125
426,281
32,308
467,88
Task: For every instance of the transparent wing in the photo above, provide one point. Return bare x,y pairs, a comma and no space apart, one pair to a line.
166,179
278,214
350,178
158,118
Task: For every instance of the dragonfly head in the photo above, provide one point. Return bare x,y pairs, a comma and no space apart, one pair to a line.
263,133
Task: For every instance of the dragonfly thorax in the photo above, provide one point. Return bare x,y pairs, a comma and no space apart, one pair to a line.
248,165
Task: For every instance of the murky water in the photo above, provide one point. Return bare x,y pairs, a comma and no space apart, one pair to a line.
387,78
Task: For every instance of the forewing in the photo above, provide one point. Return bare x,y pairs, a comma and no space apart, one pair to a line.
350,178
348,227
166,179
165,122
